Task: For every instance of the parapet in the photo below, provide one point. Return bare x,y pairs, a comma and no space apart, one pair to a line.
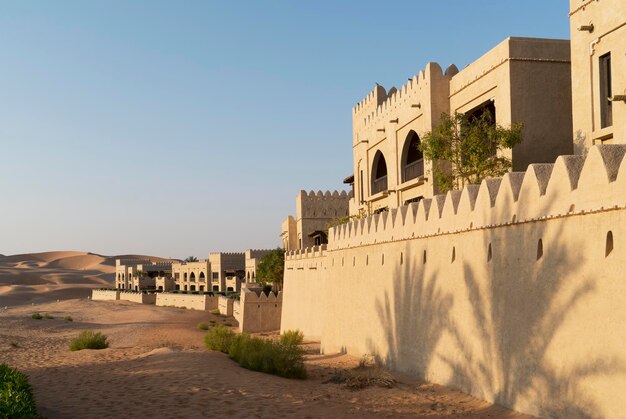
322,205
573,185
378,104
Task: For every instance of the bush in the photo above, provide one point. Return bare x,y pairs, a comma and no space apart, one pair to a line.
216,312
16,395
88,339
219,338
292,338
284,359
37,316
68,319
203,326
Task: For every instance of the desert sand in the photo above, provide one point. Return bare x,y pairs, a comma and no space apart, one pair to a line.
156,365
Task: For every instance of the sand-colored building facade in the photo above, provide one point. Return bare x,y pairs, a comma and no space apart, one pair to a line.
598,37
523,80
511,290
314,213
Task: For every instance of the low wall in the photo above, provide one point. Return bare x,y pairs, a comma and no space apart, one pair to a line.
105,295
259,313
225,305
138,297
189,301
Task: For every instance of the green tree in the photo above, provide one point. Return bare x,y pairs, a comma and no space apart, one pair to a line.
271,269
467,150
191,259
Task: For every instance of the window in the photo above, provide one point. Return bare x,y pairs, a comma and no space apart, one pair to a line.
606,106
412,200
216,275
379,173
412,158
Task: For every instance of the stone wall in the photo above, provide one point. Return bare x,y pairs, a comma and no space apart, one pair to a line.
189,301
512,291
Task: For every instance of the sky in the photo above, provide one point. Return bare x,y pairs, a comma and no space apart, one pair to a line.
172,128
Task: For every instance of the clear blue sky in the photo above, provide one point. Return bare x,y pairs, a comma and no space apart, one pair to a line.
183,127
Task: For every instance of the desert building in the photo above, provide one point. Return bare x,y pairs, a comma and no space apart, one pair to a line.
139,274
314,213
523,80
598,33
191,276
511,290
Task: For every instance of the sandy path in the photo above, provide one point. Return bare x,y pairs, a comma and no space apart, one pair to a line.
156,366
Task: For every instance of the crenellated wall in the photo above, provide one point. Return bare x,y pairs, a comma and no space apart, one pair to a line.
512,290
258,312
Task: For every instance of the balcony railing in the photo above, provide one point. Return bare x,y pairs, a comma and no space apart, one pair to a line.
379,185
414,170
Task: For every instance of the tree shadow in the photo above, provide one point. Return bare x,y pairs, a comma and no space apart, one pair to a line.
530,292
413,318
490,325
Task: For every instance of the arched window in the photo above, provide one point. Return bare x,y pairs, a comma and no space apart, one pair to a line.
202,276
379,173
412,158
185,276
192,277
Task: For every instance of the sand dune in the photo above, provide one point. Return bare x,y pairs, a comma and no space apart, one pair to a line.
40,277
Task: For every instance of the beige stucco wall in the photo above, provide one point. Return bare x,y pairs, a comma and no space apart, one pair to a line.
608,36
105,295
258,313
382,122
138,297
304,288
528,81
189,301
458,291
225,305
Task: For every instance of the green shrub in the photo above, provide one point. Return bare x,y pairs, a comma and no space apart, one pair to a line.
216,312
219,338
268,356
292,338
48,316
16,395
68,319
203,326
37,316
88,339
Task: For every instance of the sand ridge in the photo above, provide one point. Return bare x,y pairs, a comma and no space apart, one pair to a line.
42,277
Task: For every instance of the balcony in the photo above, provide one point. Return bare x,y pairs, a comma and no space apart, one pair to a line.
379,185
414,170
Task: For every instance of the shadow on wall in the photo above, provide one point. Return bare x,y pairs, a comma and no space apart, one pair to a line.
415,324
514,319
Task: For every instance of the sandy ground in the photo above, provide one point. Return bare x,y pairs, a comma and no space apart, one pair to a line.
156,365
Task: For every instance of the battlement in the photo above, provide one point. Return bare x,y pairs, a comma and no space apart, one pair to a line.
256,253
226,254
248,296
322,205
309,252
377,105
572,186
